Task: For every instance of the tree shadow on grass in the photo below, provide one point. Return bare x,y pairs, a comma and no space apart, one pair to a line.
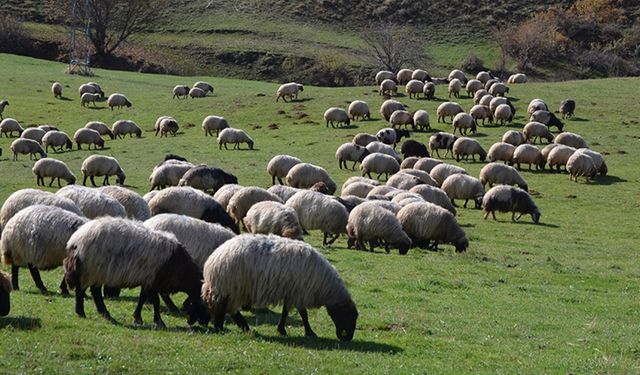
321,343
22,323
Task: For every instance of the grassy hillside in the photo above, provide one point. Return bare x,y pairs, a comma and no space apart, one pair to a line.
559,297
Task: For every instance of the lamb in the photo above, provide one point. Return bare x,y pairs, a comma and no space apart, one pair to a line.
196,92
547,118
337,115
224,194
88,136
358,189
350,152
10,125
181,91
290,90
425,222
414,88
89,98
465,146
601,166
503,113
496,173
403,76
205,178
483,76
92,202
401,117
363,139
426,164
28,197
454,87
505,198
52,168
447,109
478,95
56,89
273,217
388,107
204,86
118,100
581,164
501,151
429,90
371,223
168,174
211,123
5,290
420,75
26,146
497,101
3,104
457,74
100,127
413,148
517,78
121,253
440,172
36,238
535,105
537,130
101,165
462,186
421,120
570,139
478,112
559,155
121,128
246,197
388,87
135,206
380,164
188,201
384,74
166,124
464,121
567,108
35,134
305,175
441,141
235,136
359,108
318,211
258,270
472,86
528,154
498,89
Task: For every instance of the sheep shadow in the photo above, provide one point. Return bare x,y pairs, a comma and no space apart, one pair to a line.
321,343
300,100
66,99
346,127
95,108
477,135
606,180
22,323
577,119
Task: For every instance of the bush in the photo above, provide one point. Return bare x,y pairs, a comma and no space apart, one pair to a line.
472,64
14,38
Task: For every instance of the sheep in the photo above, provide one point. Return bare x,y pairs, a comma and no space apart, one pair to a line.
491,82
273,217
559,155
406,198
92,202
355,179
478,95
101,165
290,90
89,98
420,75
465,146
401,117
429,90
118,100
26,146
28,197
386,204
497,101
388,87
56,89
88,136
121,253
403,181
350,152
166,124
52,168
388,107
246,197
570,139
413,148
224,194
149,195
464,121
358,189
535,105
384,74
305,175
5,290
48,128
284,192
359,108
258,270
567,108
538,130
547,118
486,101
363,139
517,78
181,91
121,128
318,211
211,123
472,86
421,120
503,113
403,76
546,150
186,200
598,159
168,174
501,151
235,136
391,136
440,172
205,178
35,134
457,74
381,148
425,222
462,186
478,112
496,173
441,141
448,109
581,164
528,154
385,192
505,198
90,88
100,127
422,175
454,87
414,88
499,89
10,125
280,165
135,206
204,86
196,92
374,224
337,115
426,164
483,76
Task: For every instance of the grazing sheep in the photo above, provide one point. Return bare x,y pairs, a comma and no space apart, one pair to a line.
426,164
205,178
503,113
570,139
283,191
87,98
214,123
181,91
503,198
121,253
52,168
354,179
440,172
35,134
186,200
290,90
414,88
118,100
501,151
537,130
413,148
5,290
496,173
101,165
270,217
425,222
464,121
383,192
464,147
536,105
246,197
204,86
280,165
100,127
90,88
318,211
56,89
483,76
486,101
406,198
478,112
359,108
421,120
388,107
168,174
28,197
235,136
447,109
363,139
528,154
514,138
10,125
258,270
581,164
462,186
173,157
384,74
337,115
497,101
88,136
478,95
370,222
491,82
26,146
224,194
350,152
499,89
429,90
567,108
135,206
559,156
546,150
598,159
121,128
403,76
422,175
305,175
403,181
441,141
196,92
166,124
421,75
358,189
92,202
457,74
472,86
454,87
517,78
388,87
547,118
48,128
380,164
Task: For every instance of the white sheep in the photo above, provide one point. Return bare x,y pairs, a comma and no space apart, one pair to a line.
536,105
499,100
478,112
464,121
88,136
384,74
403,181
429,90
478,95
504,198
181,91
121,128
318,211
414,88
547,118
401,117
421,120
462,186
135,206
570,139
165,125
536,130
226,191
359,108
92,202
501,151
196,92
118,100
26,146
448,109
10,125
168,174
283,191
270,217
204,86
547,149
441,141
472,86
517,78
440,172
47,128
567,108
289,90
388,87
258,270
380,164
372,223
89,88
56,89
486,101
464,147
581,164
35,134
350,152
503,114
425,222
559,156
246,197
483,76
384,192
598,159
280,165
514,137
88,98
358,189
28,197
496,173
101,165
388,107
363,139
403,76
235,136
52,168
406,198
454,87
337,115
457,74
305,175
422,175
426,164
491,82
354,179
100,127
528,154
499,89
420,75
214,123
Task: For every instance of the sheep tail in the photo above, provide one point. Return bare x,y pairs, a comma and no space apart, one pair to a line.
72,266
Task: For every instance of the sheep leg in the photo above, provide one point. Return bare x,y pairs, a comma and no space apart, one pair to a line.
283,319
280,181
155,301
305,321
137,313
169,303
92,181
51,183
80,302
106,180
35,274
14,277
493,213
273,180
64,290
240,321
96,293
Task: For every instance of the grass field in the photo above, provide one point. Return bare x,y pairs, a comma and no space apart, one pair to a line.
559,297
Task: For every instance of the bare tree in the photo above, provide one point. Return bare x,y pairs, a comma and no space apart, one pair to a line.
393,47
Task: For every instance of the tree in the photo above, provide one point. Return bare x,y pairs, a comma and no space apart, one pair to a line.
393,47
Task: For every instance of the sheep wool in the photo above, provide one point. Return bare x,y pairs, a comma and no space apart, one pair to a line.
224,194
100,165
214,123
121,128
56,89
55,139
503,198
425,222
305,175
581,164
350,152
501,151
28,197
496,173
318,211
284,192
434,195
88,136
426,164
53,168
273,217
92,202
168,174
35,134
514,138
337,116
380,164
359,108
289,90
372,223
440,172
118,100
246,197
235,136
135,206
9,125
388,107
462,186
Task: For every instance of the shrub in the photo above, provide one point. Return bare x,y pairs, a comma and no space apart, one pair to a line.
14,38
472,64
